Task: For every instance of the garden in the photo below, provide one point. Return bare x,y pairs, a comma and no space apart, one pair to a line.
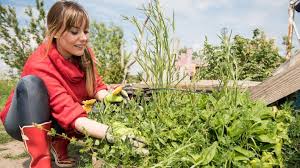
223,127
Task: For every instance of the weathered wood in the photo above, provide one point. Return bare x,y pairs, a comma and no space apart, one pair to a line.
209,85
282,84
291,13
295,59
202,85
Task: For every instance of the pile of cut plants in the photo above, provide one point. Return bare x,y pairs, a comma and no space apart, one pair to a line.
186,129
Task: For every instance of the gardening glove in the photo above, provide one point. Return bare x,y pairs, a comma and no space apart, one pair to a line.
118,131
116,96
88,105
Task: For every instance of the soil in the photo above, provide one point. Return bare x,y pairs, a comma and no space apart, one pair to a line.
9,151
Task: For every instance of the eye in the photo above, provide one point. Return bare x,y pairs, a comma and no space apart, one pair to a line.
86,32
74,32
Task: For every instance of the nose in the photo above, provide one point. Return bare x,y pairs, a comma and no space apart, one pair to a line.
84,36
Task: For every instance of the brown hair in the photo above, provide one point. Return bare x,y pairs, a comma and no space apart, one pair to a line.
62,16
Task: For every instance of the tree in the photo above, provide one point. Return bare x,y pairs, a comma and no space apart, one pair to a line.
107,42
18,42
256,57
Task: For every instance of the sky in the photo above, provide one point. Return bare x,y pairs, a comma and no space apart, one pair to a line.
194,19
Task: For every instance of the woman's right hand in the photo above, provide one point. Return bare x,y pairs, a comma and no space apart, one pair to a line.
118,131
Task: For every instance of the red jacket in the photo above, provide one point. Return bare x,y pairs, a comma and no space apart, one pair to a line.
65,83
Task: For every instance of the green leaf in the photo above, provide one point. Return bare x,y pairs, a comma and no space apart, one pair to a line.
236,129
206,155
244,152
266,138
240,158
97,142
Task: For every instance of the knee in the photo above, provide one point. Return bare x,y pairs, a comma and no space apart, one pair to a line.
31,83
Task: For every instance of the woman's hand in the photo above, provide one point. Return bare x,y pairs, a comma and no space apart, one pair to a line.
100,95
114,96
119,132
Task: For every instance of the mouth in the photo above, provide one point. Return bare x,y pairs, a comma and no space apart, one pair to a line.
79,46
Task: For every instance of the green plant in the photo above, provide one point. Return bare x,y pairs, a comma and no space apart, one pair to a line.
188,129
5,88
4,138
257,57
156,53
108,42
19,156
17,42
292,152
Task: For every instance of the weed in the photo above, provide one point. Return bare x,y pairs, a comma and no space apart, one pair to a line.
19,156
5,88
4,138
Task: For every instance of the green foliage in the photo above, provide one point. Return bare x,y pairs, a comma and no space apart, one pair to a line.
5,88
256,57
154,43
17,42
4,138
292,152
107,42
17,157
222,129
189,129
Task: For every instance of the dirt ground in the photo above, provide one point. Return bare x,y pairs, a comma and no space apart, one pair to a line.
13,154
9,152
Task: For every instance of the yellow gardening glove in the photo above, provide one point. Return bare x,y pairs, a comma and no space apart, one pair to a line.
88,105
116,96
118,131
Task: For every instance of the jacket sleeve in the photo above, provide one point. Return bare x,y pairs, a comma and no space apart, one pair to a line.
65,110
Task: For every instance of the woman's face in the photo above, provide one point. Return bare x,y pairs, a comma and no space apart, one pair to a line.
73,41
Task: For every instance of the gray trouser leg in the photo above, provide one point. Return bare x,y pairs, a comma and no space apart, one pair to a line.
29,105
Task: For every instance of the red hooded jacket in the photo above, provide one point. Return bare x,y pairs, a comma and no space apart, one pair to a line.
65,83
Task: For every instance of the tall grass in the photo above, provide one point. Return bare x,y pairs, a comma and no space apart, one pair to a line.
5,88
228,69
156,48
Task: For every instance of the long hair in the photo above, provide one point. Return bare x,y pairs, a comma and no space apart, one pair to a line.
62,16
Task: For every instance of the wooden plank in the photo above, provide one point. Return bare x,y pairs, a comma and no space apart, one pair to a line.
279,85
295,59
202,85
209,85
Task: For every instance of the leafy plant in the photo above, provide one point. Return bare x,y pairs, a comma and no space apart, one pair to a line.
155,53
4,138
190,129
257,57
292,152
5,88
108,42
186,129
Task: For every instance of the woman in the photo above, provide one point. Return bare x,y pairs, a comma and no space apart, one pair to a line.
56,78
